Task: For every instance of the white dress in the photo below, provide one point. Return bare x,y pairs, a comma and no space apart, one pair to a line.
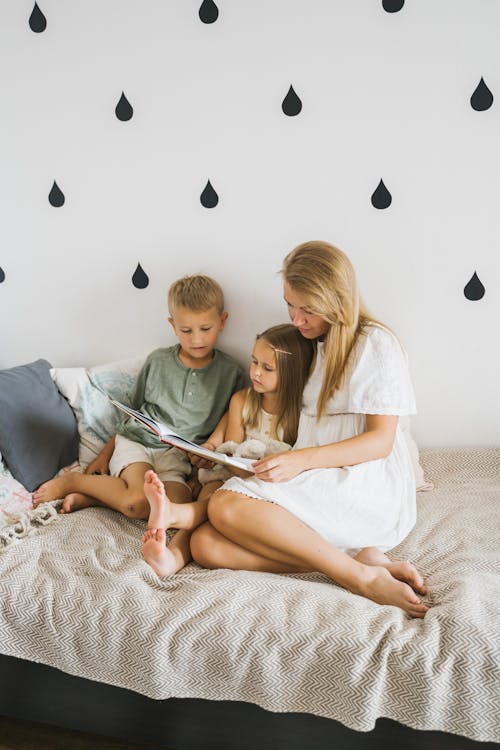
372,503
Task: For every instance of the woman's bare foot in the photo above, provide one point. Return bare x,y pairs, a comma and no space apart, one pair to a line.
160,513
404,571
401,570
383,588
54,489
164,560
77,501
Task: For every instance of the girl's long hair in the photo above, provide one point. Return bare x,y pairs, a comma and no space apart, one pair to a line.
294,355
324,275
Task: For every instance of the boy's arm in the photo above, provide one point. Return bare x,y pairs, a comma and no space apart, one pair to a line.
100,464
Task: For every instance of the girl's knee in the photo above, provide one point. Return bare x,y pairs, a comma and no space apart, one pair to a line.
202,546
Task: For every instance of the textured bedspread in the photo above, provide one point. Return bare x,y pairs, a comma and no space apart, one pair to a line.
78,596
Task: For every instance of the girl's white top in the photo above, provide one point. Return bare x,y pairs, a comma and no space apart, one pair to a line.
263,432
372,503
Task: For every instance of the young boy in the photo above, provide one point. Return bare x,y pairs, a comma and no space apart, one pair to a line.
188,386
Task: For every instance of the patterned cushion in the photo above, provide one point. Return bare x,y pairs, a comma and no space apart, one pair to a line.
97,417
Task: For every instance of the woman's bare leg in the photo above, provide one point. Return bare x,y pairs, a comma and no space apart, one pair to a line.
272,532
402,570
212,550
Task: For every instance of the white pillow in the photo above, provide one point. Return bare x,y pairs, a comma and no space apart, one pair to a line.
97,418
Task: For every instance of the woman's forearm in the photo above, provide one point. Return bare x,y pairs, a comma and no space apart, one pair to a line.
368,446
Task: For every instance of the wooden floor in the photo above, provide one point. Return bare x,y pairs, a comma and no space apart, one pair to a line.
23,735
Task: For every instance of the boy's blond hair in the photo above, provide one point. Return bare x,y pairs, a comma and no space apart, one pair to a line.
197,292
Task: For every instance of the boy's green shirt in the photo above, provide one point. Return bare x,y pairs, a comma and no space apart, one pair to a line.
192,401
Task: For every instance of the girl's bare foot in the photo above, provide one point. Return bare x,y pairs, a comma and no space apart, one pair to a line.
383,588
77,501
160,513
401,570
54,489
164,560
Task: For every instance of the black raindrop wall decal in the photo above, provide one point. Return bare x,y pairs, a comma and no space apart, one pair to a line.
392,6
474,289
2,275
208,12
381,198
482,98
291,104
56,196
209,197
140,279
37,21
124,109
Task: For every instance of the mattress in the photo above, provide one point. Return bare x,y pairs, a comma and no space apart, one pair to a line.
76,595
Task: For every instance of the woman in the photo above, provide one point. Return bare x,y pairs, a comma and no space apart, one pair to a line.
346,493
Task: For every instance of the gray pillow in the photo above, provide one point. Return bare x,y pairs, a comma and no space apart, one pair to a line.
38,429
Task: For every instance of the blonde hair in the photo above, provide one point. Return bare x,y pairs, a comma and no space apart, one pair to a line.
324,275
197,292
294,355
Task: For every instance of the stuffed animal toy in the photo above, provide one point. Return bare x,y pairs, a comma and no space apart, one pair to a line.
251,448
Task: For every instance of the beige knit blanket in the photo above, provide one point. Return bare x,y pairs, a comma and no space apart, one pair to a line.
78,596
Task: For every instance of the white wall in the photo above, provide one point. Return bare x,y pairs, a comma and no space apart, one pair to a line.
385,96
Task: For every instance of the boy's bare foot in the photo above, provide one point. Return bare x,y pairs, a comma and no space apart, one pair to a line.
164,560
54,489
401,570
383,588
160,514
77,501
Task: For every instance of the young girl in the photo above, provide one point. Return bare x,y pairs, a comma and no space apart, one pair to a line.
263,418
346,493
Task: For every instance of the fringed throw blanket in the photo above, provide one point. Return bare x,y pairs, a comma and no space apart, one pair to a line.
79,597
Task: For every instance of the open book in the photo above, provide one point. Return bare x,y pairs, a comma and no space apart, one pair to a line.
167,435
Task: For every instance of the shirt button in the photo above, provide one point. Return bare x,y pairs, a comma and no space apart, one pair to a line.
190,393
194,374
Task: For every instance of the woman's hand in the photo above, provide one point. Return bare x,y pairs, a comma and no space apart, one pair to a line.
282,466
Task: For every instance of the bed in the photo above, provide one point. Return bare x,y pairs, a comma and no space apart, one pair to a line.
92,639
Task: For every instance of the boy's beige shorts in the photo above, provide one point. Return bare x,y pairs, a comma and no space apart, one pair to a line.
171,464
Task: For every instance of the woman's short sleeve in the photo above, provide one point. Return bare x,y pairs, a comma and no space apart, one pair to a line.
379,380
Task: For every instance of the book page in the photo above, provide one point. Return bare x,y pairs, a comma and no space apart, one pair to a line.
168,435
